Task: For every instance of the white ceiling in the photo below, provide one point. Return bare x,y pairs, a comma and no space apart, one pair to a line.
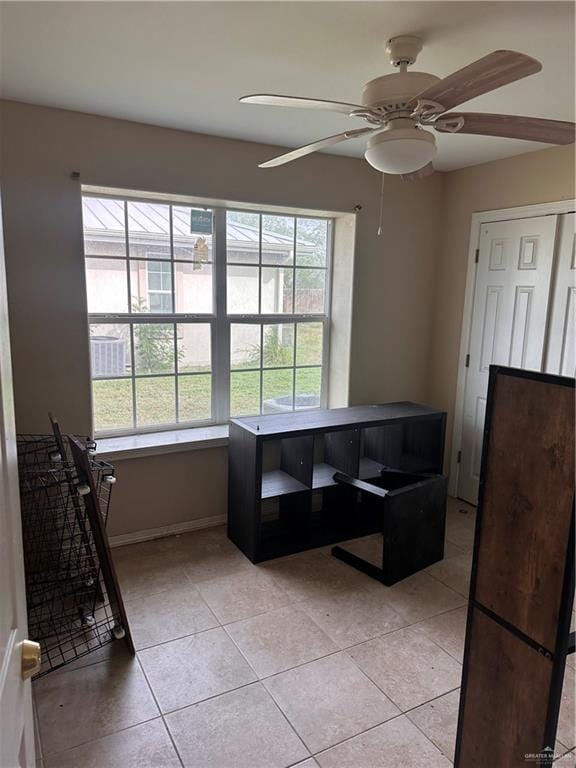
185,64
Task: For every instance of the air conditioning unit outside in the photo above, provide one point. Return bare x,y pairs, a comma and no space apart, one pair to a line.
107,356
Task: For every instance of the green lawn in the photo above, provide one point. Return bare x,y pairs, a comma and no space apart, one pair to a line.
156,399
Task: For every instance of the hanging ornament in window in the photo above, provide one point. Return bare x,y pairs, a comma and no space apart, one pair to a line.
200,252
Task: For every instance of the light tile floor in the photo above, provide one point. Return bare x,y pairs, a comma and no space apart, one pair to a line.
301,661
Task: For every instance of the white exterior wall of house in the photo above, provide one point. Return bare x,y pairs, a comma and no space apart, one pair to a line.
107,283
108,290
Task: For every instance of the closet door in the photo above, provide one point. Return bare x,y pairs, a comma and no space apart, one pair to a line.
508,322
561,354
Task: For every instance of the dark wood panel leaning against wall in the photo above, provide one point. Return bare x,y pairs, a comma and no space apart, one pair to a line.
522,586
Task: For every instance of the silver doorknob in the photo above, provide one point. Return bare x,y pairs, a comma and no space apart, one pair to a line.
31,658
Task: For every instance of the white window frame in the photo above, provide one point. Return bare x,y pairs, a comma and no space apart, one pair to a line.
219,320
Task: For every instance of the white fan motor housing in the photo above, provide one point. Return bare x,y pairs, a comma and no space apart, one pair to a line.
395,90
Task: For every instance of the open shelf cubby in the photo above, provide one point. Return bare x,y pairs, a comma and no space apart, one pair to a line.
286,466
282,494
409,446
278,483
335,452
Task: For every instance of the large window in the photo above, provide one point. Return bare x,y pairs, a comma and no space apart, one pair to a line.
199,314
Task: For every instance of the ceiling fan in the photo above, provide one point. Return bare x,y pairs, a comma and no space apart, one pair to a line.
399,107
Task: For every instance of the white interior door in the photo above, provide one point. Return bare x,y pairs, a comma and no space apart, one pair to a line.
561,353
16,723
509,315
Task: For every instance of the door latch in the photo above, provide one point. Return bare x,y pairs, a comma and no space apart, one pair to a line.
31,658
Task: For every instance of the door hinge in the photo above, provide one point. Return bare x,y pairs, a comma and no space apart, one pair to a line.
477,256
467,362
459,457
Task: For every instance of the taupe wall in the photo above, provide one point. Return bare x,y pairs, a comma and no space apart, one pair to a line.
536,177
408,285
173,488
41,147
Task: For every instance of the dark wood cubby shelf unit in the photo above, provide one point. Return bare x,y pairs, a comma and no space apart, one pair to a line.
282,493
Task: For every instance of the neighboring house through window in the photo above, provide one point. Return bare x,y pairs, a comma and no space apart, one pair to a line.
159,286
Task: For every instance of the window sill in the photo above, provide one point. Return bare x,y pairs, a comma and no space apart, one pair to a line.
156,443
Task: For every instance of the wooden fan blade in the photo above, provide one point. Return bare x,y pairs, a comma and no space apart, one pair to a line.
509,126
421,173
315,146
488,73
274,100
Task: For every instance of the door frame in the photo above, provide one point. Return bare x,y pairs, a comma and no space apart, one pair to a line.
478,219
15,691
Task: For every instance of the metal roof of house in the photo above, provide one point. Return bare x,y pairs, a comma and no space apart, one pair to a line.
106,216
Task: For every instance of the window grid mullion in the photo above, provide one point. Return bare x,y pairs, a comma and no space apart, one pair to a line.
260,279
129,288
294,312
295,225
277,319
148,317
172,267
241,370
174,326
260,264
324,384
220,324
170,375
294,367
177,400
133,376
127,259
261,366
163,260
242,264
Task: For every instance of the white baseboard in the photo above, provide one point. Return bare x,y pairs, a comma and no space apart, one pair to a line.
166,530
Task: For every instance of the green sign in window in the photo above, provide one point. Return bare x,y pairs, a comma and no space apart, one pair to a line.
201,222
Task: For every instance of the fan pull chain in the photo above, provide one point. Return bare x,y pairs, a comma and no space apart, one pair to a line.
381,216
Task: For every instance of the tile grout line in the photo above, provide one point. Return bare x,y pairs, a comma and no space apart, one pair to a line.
384,692
259,681
269,692
425,734
437,578
160,592
296,666
208,698
180,637
460,661
394,717
292,603
270,610
441,582
102,736
262,681
164,723
162,715
297,605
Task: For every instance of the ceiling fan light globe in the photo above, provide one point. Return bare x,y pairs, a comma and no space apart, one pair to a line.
400,151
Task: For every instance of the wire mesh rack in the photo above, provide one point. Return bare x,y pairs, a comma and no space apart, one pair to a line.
74,607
